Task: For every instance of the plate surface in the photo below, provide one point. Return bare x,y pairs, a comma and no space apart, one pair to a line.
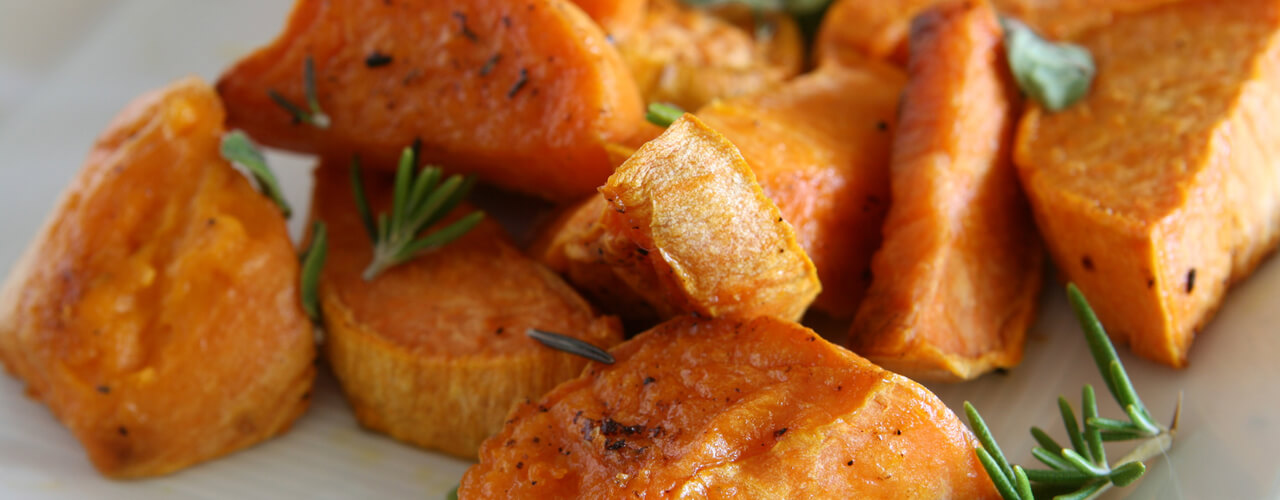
67,67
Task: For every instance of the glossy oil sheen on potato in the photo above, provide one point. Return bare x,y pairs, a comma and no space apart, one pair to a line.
731,409
434,351
524,94
819,146
157,313
1161,187
687,229
954,287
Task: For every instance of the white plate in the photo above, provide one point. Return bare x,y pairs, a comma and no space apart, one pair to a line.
1227,446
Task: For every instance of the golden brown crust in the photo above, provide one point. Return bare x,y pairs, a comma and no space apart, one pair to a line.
157,313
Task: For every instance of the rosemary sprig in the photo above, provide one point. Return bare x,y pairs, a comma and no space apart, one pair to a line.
663,115
312,263
237,148
313,116
1082,470
419,201
571,345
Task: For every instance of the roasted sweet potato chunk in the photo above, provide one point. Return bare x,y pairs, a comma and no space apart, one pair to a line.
879,29
523,94
819,146
954,287
157,313
688,57
1161,187
731,409
685,228
434,351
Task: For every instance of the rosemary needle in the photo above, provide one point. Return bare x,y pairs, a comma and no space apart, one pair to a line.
314,115
663,115
419,201
571,345
237,148
312,263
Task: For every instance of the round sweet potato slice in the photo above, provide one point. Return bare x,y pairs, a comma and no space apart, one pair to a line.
731,409
434,351
157,314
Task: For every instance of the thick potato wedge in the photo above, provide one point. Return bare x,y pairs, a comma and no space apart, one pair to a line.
1160,189
687,229
819,146
523,94
955,284
157,313
731,409
878,29
688,57
434,351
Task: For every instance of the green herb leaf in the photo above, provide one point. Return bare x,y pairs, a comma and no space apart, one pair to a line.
1072,477
312,263
417,204
571,345
236,147
1127,473
996,472
452,494
313,116
1054,74
663,115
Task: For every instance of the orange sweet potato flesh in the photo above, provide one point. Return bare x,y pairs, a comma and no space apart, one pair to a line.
157,313
731,409
1159,189
688,57
819,146
523,94
687,229
433,352
879,29
617,17
956,282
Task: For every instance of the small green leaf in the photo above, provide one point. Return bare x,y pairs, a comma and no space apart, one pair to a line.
1083,464
1054,74
1092,435
1070,477
362,201
315,116
996,473
1045,440
663,115
236,147
1086,492
1052,459
1069,420
571,345
1021,482
312,263
988,441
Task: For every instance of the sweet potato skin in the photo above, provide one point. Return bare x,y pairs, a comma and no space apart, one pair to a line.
819,146
689,57
689,229
522,94
956,283
433,352
157,313
731,409
1159,190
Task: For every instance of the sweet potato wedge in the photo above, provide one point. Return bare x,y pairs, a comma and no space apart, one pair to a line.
955,285
433,352
523,94
819,146
157,313
731,409
687,57
1160,189
686,228
618,18
879,29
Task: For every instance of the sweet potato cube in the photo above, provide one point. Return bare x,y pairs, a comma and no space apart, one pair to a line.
731,409
1161,188
433,351
523,94
157,313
